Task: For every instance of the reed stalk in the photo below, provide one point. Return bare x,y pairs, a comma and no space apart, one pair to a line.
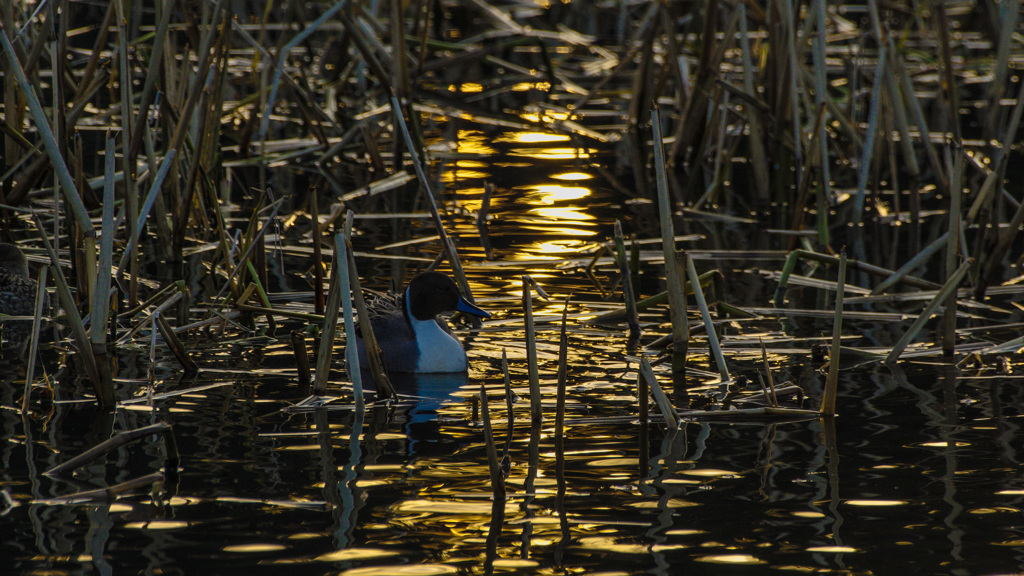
531,350
175,346
627,284
497,481
709,325
318,258
446,243
33,348
373,353
298,340
100,287
563,371
660,398
956,171
339,272
791,260
506,463
868,151
772,397
947,289
673,271
105,447
103,386
828,399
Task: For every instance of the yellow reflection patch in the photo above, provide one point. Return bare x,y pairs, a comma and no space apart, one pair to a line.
157,525
354,554
731,559
708,472
250,548
402,570
572,176
548,194
532,137
876,502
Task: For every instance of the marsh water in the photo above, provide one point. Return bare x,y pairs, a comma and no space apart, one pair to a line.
920,471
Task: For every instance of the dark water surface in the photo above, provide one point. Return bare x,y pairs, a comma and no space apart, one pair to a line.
920,472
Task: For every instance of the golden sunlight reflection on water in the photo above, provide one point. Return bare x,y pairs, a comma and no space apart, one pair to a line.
730,559
531,137
553,153
350,554
548,194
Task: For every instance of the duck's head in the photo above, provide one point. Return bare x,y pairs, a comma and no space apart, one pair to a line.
433,293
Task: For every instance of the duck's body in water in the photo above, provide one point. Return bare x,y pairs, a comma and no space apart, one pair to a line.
407,328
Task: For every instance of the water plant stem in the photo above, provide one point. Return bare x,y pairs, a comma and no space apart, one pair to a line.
828,399
949,287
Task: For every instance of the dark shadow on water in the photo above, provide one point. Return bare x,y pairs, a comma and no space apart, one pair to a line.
421,396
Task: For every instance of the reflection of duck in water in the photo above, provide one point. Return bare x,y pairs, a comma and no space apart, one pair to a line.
411,336
17,295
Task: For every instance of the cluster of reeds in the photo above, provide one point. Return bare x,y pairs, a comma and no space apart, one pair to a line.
793,109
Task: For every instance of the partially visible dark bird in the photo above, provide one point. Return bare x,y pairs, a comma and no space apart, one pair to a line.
17,298
17,289
407,328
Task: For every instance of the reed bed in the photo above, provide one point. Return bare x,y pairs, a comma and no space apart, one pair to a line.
218,122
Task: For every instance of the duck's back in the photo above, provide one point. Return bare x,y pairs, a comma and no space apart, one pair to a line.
17,295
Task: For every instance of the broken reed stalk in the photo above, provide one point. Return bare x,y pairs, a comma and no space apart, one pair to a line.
373,353
99,306
949,288
791,260
709,325
318,257
151,370
344,285
627,283
505,461
109,445
642,394
531,350
329,328
497,481
828,398
33,348
139,326
917,261
768,373
103,386
298,339
660,398
563,370
673,272
175,345
110,492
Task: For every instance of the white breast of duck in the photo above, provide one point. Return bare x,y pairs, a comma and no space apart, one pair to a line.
438,350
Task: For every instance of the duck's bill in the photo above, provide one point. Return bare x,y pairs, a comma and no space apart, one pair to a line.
468,308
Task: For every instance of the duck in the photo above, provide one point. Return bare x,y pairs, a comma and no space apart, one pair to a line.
17,289
411,336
